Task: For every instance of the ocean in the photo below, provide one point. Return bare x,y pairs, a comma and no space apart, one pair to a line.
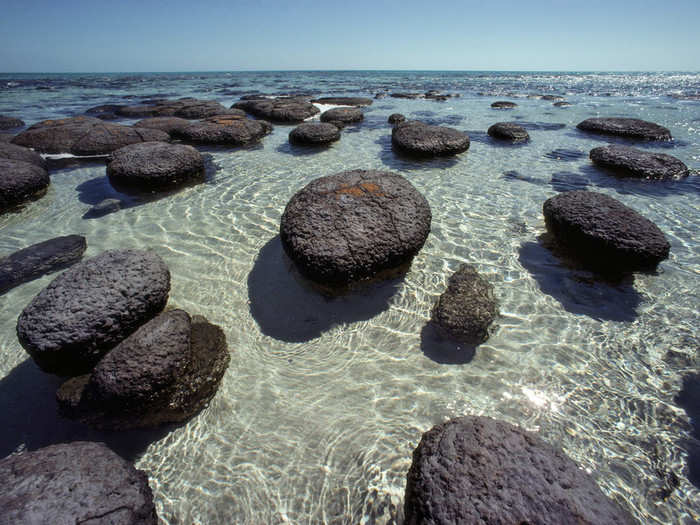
325,399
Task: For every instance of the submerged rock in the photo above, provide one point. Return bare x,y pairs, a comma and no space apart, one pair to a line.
14,152
416,138
344,101
626,161
10,122
283,109
20,182
314,134
103,208
228,132
504,104
344,115
625,127
509,131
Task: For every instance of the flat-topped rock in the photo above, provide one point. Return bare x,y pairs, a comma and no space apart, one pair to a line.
354,225
344,115
91,307
84,136
20,182
155,166
10,122
228,132
466,309
396,118
509,131
625,127
40,259
476,469
416,138
314,134
71,483
626,161
283,109
13,152
170,125
344,101
603,233
504,104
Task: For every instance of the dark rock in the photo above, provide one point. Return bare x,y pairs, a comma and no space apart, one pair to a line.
230,132
476,469
380,95
625,127
13,152
345,115
10,122
314,134
416,138
155,165
170,125
344,101
603,233
283,109
467,308
631,162
78,482
337,123
40,259
504,104
396,118
411,96
552,97
200,109
139,111
165,372
83,136
353,225
509,131
103,208
20,182
92,307
227,116
187,108
562,104
105,111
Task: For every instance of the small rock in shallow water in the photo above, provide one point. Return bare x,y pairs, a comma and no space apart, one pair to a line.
103,208
314,134
416,138
625,127
503,104
509,131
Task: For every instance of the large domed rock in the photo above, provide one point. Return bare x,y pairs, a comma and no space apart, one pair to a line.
283,110
416,138
603,233
228,132
170,125
20,182
10,122
79,482
13,152
353,225
165,372
345,101
91,307
344,115
626,161
84,136
479,470
503,104
509,131
625,127
314,134
155,165
467,308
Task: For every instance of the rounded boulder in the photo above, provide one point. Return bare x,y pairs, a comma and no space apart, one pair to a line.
626,161
419,139
344,115
20,182
13,152
631,128
286,110
504,104
509,131
228,132
314,134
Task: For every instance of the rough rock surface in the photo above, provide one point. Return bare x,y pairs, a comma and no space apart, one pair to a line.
188,108
91,307
83,136
479,470
14,152
353,225
632,162
165,372
233,132
10,122
345,101
504,104
40,259
509,131
314,134
345,115
74,483
170,125
155,165
603,233
467,308
283,109
20,182
396,118
416,138
625,127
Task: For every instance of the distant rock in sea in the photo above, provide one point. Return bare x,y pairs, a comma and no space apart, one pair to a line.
503,104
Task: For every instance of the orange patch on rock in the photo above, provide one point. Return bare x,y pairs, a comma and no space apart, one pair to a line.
359,190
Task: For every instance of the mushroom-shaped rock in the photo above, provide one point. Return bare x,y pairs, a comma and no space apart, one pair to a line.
20,182
467,308
229,132
83,136
626,161
40,259
396,118
345,115
284,110
14,152
155,165
344,101
165,372
603,233
503,104
625,127
479,470
509,131
351,226
170,125
78,482
416,138
10,122
92,307
314,134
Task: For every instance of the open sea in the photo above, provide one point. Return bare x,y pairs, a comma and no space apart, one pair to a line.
325,399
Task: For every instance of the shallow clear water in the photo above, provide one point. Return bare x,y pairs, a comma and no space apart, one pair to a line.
324,400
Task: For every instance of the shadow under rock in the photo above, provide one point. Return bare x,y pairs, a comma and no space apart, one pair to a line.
641,144
399,161
689,399
604,178
579,291
286,307
29,417
443,350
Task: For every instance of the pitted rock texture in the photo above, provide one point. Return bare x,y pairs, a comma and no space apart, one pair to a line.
625,127
347,227
345,101
626,161
188,108
344,115
467,308
169,125
84,136
14,152
74,483
10,122
314,134
396,118
20,182
155,165
479,470
284,110
603,233
227,132
40,259
504,104
509,131
165,372
92,307
416,138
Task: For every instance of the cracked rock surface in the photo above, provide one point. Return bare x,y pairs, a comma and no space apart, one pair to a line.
626,161
420,139
625,127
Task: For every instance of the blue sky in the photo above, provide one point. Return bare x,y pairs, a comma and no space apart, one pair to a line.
178,35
